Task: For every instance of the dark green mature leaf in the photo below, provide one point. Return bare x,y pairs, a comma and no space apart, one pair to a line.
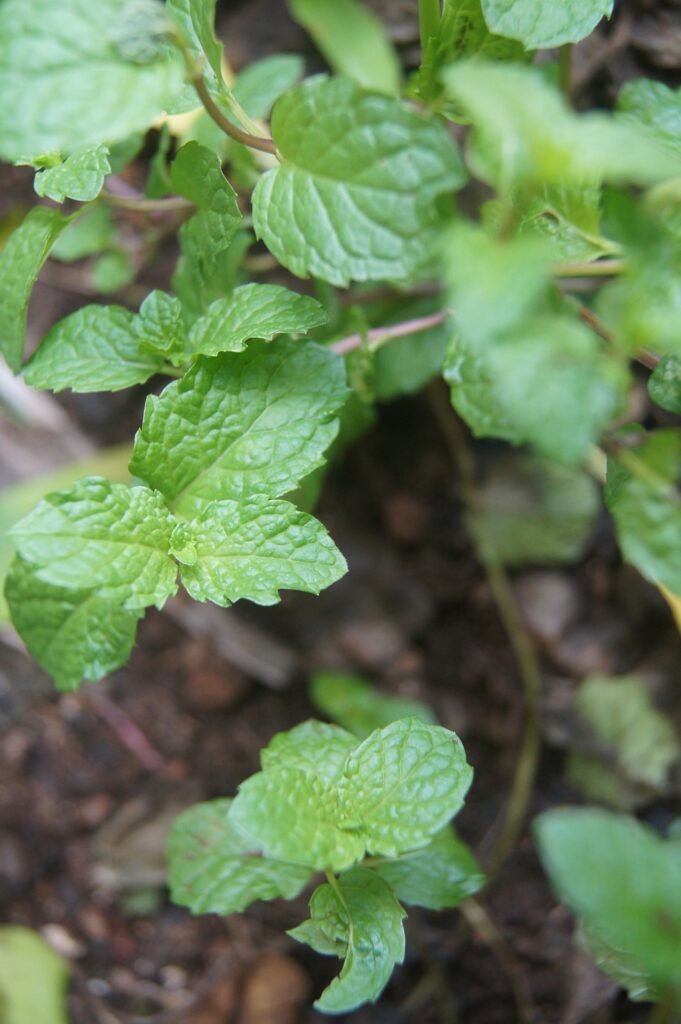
21,258
622,880
105,536
643,500
363,207
359,707
402,785
253,311
81,176
103,77
97,348
252,549
316,747
352,40
655,105
33,978
75,634
664,383
362,915
442,874
213,869
542,23
293,815
242,424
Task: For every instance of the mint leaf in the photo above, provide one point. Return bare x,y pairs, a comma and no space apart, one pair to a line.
65,90
75,634
112,271
241,424
91,233
97,348
473,391
569,219
212,869
315,747
617,964
255,548
291,815
253,311
160,326
81,176
25,957
442,874
359,707
622,880
261,83
642,498
664,383
402,785
105,536
363,208
352,40
21,258
363,914
655,105
539,24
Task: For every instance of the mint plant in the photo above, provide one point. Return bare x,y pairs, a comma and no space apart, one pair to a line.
372,815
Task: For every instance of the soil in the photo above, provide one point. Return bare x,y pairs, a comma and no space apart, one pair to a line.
91,780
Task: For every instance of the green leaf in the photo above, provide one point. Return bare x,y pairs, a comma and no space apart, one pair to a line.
33,979
403,784
260,84
642,498
569,220
664,383
292,815
525,135
314,747
365,207
255,548
160,326
407,364
196,19
21,258
105,536
97,348
472,385
442,874
242,424
359,707
622,880
655,105
112,271
91,233
617,964
253,311
197,175
539,24
212,869
362,913
104,77
352,40
534,512
75,634
640,745
81,176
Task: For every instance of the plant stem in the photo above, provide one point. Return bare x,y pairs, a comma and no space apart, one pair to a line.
484,927
379,335
222,121
565,66
589,268
429,19
144,205
664,1011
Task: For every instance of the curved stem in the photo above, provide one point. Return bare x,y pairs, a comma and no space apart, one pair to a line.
222,121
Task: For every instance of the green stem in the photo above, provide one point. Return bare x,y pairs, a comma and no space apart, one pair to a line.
143,205
590,268
222,121
429,19
565,67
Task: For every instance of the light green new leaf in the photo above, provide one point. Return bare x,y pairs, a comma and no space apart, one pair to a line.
21,258
253,311
355,196
212,868
642,497
160,326
442,874
293,815
97,348
259,85
81,176
664,383
655,105
352,40
539,24
33,979
196,19
75,634
525,135
402,785
358,706
363,914
90,234
254,549
241,424
315,747
622,880
473,391
105,536
77,74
